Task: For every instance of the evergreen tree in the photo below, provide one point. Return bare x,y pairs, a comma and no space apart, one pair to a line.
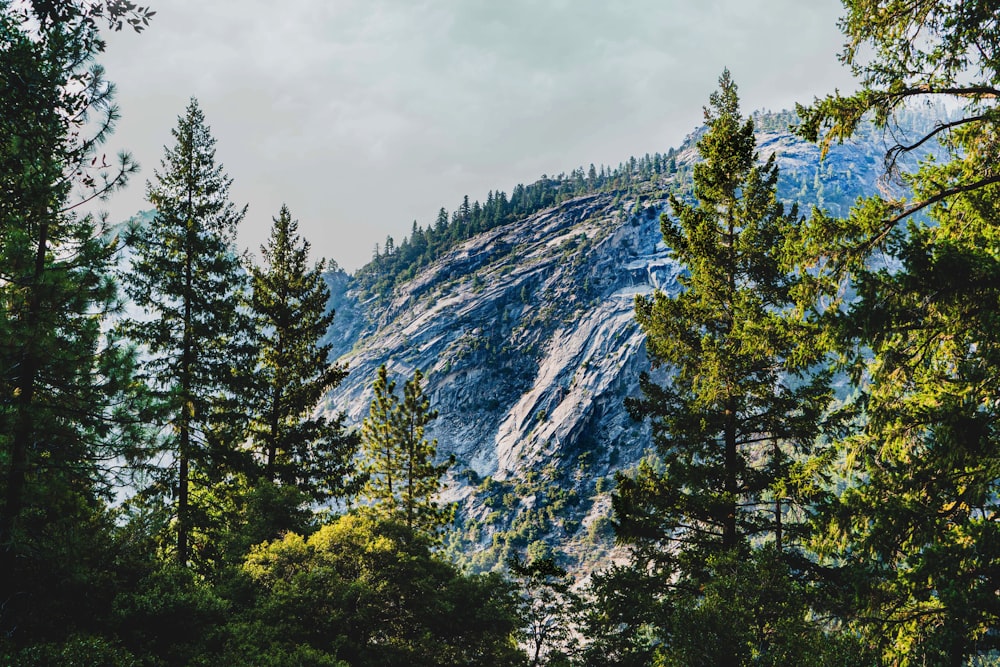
187,278
923,465
294,371
465,211
403,477
441,223
421,476
739,405
917,522
381,458
64,413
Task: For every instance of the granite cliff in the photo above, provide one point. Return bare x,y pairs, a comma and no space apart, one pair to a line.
527,337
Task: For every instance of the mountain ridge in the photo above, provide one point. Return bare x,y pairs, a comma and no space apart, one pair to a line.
527,338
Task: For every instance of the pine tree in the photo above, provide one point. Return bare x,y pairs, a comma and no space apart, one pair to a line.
63,384
420,475
739,405
923,466
917,521
187,278
294,371
730,343
441,223
403,477
465,210
378,442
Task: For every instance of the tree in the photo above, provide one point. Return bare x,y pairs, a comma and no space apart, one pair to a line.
116,13
740,391
368,591
378,444
752,606
548,604
903,53
742,400
441,223
919,515
922,466
64,409
293,372
187,278
399,460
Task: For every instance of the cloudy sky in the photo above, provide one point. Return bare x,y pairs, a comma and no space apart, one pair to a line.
363,115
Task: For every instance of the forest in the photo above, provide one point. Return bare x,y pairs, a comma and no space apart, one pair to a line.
822,484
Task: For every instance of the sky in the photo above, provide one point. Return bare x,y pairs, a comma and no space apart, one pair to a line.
365,115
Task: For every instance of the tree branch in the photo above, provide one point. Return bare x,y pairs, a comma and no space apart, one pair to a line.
893,153
940,196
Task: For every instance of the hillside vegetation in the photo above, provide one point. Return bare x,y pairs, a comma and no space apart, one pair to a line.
733,404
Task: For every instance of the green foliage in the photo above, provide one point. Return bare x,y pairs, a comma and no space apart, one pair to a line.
548,607
170,617
741,403
403,478
528,516
903,51
76,651
900,567
750,611
65,405
115,13
623,612
916,520
923,465
369,592
187,279
299,450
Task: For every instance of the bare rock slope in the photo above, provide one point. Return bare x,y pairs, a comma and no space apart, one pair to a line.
527,337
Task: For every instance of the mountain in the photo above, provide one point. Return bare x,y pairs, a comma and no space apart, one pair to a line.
527,337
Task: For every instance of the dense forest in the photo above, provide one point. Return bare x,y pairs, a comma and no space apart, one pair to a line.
169,494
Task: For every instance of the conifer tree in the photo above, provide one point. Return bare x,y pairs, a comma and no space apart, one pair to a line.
739,405
403,477
378,442
441,223
294,371
421,475
187,278
733,351
63,383
917,521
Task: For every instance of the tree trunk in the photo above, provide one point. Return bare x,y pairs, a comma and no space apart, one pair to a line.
271,453
731,469
187,415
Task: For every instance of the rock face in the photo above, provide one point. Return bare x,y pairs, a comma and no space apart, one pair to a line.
527,337
524,332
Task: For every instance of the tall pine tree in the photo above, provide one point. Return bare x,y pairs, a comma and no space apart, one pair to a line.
739,405
311,453
187,278
62,382
917,525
